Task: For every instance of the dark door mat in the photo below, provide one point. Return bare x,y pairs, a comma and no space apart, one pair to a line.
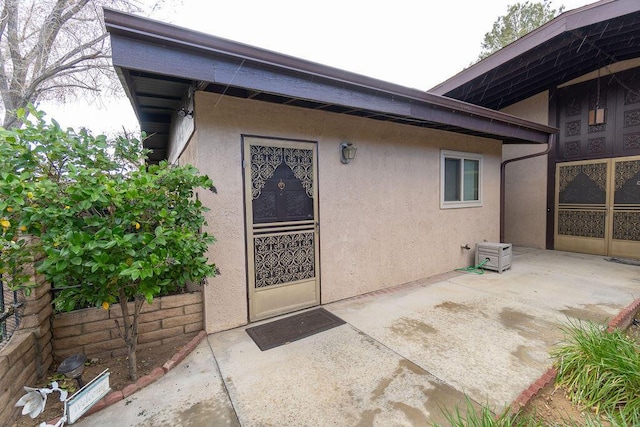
293,328
627,261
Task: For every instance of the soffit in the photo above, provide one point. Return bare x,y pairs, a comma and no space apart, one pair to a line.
571,45
159,64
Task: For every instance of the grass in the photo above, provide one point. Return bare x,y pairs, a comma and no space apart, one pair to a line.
600,370
472,416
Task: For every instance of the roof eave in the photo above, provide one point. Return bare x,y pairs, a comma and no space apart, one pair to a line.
136,40
566,23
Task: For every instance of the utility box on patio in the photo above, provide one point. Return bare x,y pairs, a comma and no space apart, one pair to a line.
497,255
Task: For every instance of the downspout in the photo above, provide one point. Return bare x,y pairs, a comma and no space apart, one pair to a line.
503,165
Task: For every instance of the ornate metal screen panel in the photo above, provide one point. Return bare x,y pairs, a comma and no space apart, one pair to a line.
582,200
284,258
626,226
582,223
583,184
626,199
281,184
282,226
627,183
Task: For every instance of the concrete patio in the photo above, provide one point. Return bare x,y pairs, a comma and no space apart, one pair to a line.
403,355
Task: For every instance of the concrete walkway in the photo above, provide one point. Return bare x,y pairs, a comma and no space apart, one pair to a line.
402,356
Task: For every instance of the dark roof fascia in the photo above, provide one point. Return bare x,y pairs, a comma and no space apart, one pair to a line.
143,44
567,22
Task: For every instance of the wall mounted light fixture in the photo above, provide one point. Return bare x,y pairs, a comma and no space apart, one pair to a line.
347,152
183,112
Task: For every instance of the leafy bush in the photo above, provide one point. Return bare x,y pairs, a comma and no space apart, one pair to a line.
107,227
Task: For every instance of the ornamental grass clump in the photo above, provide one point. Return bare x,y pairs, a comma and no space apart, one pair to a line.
474,416
600,370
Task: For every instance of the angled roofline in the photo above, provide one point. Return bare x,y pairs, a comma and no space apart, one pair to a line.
567,22
130,32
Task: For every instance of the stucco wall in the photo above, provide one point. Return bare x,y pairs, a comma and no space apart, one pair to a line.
190,153
526,180
380,220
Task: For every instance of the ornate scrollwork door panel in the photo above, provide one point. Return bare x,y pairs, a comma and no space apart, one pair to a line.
598,207
625,235
282,217
581,206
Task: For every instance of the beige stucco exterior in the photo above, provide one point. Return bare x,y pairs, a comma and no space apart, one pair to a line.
380,219
526,180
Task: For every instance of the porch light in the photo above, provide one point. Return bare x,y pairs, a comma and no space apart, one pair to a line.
598,115
183,112
347,152
72,367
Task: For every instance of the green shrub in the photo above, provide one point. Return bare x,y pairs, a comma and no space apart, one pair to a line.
106,227
600,370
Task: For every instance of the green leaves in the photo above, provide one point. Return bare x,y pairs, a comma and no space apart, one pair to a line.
600,370
105,222
520,19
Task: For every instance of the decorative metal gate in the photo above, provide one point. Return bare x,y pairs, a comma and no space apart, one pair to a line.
598,207
11,305
625,238
282,225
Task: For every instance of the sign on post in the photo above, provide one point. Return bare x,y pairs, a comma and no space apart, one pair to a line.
87,396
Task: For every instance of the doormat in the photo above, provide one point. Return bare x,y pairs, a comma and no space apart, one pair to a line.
627,261
293,328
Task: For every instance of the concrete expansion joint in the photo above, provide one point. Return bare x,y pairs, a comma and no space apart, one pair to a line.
621,321
224,380
142,382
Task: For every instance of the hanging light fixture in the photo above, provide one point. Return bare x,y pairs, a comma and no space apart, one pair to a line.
597,116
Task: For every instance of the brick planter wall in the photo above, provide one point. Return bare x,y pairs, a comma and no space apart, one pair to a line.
27,356
92,331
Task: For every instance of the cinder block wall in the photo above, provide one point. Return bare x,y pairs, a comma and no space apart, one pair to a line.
28,355
93,331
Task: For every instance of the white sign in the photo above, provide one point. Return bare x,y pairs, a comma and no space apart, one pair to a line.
87,396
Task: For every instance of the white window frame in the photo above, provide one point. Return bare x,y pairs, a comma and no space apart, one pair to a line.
462,156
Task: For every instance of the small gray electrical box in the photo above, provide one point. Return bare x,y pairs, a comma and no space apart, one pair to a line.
497,255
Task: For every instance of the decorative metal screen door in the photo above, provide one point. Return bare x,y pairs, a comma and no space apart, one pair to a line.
581,206
625,235
281,199
598,207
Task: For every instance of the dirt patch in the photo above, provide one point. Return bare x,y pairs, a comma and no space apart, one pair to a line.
551,407
148,360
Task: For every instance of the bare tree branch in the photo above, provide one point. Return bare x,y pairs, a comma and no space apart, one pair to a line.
54,49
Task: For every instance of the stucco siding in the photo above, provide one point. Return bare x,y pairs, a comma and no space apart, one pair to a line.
380,219
526,180
190,153
525,197
535,108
